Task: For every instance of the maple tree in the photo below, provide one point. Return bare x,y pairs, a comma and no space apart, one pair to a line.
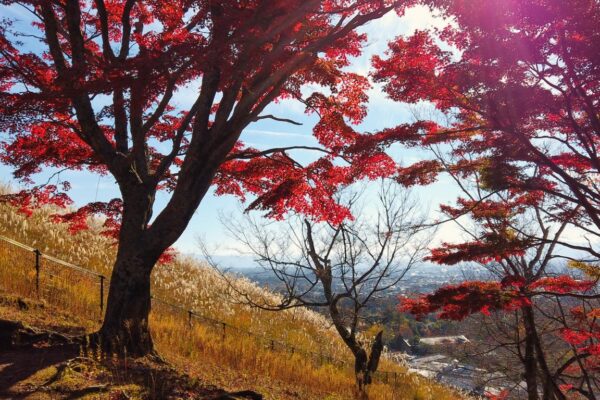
510,234
517,84
93,86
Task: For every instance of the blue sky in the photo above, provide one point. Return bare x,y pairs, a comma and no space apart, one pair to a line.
263,134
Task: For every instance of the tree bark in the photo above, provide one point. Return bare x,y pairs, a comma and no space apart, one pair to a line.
551,388
125,327
366,365
125,330
361,372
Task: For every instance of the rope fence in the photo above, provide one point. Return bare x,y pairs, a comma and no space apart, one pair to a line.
50,278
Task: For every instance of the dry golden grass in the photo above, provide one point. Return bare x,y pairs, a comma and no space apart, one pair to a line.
234,360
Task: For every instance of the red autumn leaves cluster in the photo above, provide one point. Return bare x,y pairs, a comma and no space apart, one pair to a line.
521,91
459,301
522,95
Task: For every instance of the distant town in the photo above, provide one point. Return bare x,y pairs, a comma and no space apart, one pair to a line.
425,278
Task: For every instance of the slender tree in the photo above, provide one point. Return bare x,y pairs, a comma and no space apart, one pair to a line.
93,85
341,269
510,234
548,305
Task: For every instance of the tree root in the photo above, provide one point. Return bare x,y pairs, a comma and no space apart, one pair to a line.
14,334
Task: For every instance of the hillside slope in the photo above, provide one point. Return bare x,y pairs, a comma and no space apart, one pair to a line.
246,349
41,358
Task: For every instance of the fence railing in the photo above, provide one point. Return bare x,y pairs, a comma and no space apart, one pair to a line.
53,279
49,272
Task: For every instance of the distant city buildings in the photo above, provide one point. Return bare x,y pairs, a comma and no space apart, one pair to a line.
449,371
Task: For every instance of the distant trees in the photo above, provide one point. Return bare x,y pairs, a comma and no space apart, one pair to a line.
520,137
342,268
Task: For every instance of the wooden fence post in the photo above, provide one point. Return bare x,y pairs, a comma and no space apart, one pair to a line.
38,256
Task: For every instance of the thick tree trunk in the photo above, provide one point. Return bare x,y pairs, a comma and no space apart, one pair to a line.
125,327
124,331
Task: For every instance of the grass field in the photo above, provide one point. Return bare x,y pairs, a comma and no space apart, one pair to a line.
230,358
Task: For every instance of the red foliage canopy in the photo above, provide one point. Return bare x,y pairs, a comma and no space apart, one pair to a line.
522,91
93,85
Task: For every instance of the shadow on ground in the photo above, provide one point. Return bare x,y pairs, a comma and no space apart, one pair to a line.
47,365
